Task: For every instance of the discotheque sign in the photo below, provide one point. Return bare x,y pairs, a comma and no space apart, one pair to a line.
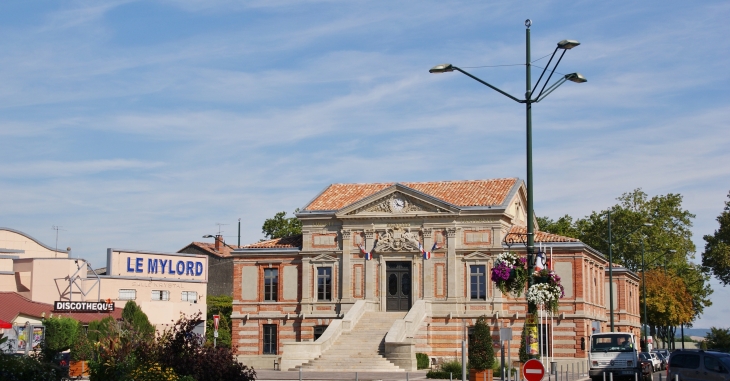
62,306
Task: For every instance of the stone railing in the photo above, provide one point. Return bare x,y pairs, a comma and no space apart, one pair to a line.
400,348
298,353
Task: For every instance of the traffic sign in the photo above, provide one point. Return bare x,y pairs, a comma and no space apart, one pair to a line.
533,370
216,319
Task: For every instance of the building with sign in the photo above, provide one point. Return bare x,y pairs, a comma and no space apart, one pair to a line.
164,285
357,290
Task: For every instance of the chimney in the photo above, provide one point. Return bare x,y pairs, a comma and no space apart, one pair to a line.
218,241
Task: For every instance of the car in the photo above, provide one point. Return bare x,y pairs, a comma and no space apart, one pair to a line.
646,368
664,352
695,364
663,359
656,363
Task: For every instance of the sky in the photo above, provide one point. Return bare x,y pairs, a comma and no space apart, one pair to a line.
145,124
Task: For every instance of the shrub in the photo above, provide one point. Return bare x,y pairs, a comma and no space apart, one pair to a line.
82,348
61,333
153,372
99,329
183,350
27,368
422,361
138,320
481,352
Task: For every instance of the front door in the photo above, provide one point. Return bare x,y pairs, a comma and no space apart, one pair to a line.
398,286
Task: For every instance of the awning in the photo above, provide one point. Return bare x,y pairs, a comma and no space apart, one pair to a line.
4,324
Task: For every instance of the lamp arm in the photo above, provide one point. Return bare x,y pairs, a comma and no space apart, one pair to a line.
543,72
551,72
550,90
490,86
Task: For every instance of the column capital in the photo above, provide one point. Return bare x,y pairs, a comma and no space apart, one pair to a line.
427,232
369,233
451,232
346,233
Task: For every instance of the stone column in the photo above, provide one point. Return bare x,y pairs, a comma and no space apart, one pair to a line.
369,273
346,268
306,276
427,266
451,264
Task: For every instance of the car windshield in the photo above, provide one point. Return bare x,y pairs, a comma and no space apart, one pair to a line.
643,356
612,343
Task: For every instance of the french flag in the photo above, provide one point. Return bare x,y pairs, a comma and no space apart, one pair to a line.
368,255
427,254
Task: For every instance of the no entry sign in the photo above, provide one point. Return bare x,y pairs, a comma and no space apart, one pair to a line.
533,370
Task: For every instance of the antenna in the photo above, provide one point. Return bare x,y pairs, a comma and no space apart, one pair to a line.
57,228
219,227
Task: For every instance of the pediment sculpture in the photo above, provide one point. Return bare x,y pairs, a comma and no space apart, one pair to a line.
397,239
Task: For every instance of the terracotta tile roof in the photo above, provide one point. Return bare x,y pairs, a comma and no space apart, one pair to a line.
15,304
542,236
459,193
291,242
225,250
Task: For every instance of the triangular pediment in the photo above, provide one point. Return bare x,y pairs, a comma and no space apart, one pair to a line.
324,258
475,256
398,200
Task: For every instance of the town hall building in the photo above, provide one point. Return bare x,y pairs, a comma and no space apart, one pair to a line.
355,291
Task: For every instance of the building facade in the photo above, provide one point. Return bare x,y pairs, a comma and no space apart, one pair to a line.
220,264
359,251
164,285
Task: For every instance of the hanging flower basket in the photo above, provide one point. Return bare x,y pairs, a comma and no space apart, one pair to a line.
546,290
509,274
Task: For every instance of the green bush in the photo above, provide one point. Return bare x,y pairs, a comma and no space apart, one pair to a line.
27,368
422,360
61,333
82,348
440,374
138,320
99,329
481,351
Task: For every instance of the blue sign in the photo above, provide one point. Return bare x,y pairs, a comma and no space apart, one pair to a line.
165,266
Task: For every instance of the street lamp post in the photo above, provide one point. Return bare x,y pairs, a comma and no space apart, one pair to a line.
563,45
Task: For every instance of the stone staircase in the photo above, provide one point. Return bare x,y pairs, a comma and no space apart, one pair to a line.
361,349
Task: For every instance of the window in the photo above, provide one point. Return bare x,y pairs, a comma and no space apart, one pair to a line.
712,364
160,295
478,283
324,283
127,294
190,296
271,284
318,331
690,361
269,339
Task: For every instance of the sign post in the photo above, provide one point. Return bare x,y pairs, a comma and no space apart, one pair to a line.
216,319
533,370
505,334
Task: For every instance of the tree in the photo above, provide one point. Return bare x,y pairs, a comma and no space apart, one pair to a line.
219,305
670,231
280,226
716,258
61,333
481,352
564,226
666,302
99,328
137,319
718,338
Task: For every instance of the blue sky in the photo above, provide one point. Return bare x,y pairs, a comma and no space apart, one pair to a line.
142,124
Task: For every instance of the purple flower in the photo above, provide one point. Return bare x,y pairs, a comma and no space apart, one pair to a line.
500,273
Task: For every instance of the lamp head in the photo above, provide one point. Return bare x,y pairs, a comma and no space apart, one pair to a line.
442,68
576,77
568,44
647,224
208,236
